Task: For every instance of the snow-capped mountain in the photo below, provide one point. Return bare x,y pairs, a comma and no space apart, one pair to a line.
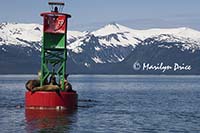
24,35
110,44
163,54
114,42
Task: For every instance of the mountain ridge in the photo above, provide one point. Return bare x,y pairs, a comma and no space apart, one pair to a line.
90,51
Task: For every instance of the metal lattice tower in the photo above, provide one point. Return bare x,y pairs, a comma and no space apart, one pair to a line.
54,50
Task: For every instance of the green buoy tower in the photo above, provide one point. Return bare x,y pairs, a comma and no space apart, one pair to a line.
53,62
54,50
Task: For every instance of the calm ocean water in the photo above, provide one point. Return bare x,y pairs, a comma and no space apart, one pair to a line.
109,104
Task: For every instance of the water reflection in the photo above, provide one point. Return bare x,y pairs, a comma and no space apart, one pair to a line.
49,120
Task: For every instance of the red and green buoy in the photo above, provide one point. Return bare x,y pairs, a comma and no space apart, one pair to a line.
53,61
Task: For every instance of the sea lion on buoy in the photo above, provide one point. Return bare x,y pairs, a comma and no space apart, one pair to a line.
67,85
53,80
46,88
32,84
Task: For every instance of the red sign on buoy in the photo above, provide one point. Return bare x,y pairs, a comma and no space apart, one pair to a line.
55,22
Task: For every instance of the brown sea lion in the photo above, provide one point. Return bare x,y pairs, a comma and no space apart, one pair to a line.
46,88
32,84
53,80
67,85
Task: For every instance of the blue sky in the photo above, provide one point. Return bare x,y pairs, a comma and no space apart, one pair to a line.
91,14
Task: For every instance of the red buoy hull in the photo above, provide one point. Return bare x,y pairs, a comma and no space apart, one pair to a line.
51,100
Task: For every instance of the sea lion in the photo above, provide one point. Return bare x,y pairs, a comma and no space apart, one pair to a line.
53,80
46,88
32,84
67,85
